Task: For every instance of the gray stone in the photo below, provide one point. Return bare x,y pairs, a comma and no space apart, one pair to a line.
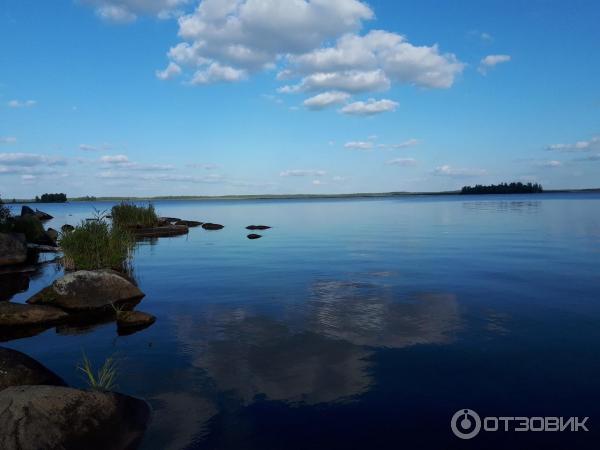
13,249
18,369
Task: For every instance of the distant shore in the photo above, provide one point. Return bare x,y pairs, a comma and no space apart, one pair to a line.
300,196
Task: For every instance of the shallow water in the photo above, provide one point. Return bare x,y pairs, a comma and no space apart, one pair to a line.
356,323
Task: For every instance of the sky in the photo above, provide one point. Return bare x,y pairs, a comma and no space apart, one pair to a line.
221,97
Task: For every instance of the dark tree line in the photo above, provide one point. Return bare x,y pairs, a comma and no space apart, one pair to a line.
4,211
503,188
51,198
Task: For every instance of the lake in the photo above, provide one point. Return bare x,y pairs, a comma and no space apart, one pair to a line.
355,323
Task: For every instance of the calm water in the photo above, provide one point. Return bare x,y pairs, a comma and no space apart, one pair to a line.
357,323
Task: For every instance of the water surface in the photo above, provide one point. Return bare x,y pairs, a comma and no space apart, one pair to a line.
356,323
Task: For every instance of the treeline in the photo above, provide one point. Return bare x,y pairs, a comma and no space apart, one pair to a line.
51,198
504,188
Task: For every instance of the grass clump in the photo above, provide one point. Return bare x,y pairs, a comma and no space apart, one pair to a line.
5,225
128,215
102,380
94,244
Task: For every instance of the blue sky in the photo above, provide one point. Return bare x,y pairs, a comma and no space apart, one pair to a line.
168,97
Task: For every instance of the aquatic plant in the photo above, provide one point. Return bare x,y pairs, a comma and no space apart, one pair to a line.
94,244
102,380
128,215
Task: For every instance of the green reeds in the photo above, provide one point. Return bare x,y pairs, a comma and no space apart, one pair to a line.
102,380
128,215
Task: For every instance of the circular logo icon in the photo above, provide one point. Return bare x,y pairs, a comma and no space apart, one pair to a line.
465,423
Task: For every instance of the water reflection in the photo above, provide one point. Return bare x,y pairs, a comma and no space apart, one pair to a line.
502,206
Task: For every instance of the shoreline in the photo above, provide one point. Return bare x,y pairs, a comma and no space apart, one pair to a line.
299,196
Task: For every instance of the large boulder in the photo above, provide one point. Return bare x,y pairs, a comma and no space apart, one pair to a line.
52,234
66,228
133,320
27,211
42,215
13,249
18,369
20,315
54,417
89,290
13,283
33,229
212,226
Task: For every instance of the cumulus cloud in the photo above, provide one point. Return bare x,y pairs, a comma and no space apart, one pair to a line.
404,162
316,41
449,171
579,146
171,71
326,99
369,108
218,73
8,140
302,173
491,61
21,103
126,11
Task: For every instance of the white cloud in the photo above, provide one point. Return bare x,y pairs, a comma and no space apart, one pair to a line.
549,164
389,52
359,145
350,81
326,99
216,73
406,144
404,162
449,171
21,103
370,107
114,159
126,11
8,140
579,146
205,166
302,173
30,159
171,71
94,148
491,61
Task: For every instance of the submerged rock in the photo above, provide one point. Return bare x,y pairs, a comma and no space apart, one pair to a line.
257,227
20,315
134,319
89,290
36,417
189,223
162,231
254,236
212,226
18,369
13,249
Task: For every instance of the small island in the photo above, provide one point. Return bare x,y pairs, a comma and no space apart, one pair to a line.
51,198
503,188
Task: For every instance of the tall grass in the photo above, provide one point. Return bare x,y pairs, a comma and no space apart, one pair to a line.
104,379
128,215
96,245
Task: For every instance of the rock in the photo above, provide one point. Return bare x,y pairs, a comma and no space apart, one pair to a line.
257,227
89,290
13,249
189,223
134,319
18,369
254,236
169,219
212,226
27,211
12,283
33,229
54,417
20,315
164,231
42,215
66,228
52,234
